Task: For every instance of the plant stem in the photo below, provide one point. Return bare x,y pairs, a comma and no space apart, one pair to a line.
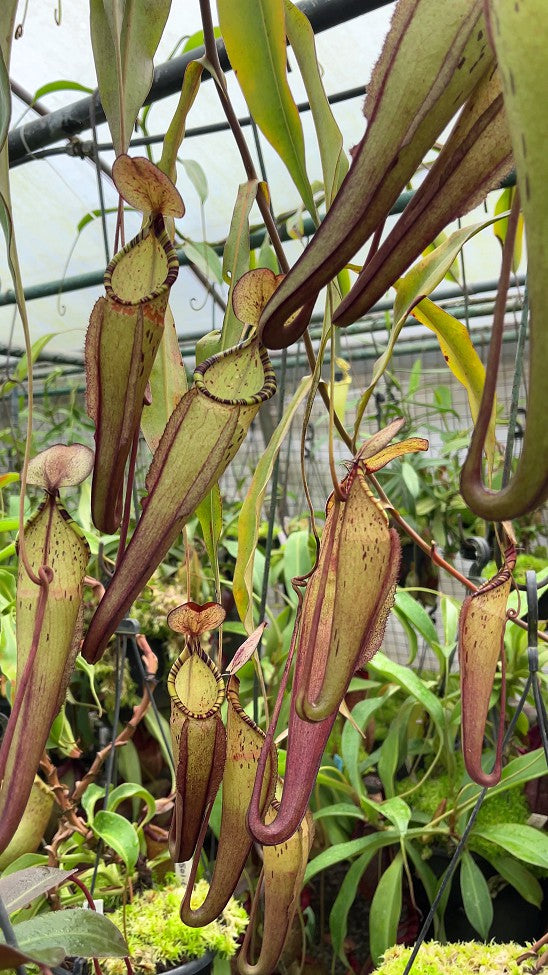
262,202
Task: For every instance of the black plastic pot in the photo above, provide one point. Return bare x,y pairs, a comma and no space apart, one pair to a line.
202,964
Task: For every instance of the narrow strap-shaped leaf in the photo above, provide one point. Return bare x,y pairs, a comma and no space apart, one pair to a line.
385,911
476,156
403,123
254,34
236,257
476,896
330,142
129,41
249,520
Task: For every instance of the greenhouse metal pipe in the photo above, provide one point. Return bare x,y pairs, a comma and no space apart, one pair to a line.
359,328
410,347
75,118
91,278
354,331
86,148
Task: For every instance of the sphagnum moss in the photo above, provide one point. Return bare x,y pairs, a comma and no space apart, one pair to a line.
158,939
464,958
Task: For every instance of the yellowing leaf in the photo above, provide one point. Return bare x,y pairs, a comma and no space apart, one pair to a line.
462,359
419,282
500,228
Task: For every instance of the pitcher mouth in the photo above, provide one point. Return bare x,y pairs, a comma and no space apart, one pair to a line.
180,704
156,226
266,391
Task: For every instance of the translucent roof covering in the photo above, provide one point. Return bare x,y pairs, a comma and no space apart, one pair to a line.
52,195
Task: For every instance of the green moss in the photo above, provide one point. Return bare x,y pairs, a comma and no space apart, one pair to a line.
523,563
510,806
157,937
466,958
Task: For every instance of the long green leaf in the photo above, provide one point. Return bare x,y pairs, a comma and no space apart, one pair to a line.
61,85
176,131
476,896
345,851
385,911
297,559
119,834
7,22
417,615
338,919
351,740
21,370
249,520
380,664
236,256
522,879
522,769
523,842
334,162
339,809
204,257
80,932
254,34
210,516
130,38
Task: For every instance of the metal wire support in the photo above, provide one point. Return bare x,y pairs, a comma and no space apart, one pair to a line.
532,653
121,647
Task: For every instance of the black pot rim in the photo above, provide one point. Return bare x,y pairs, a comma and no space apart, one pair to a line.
193,966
